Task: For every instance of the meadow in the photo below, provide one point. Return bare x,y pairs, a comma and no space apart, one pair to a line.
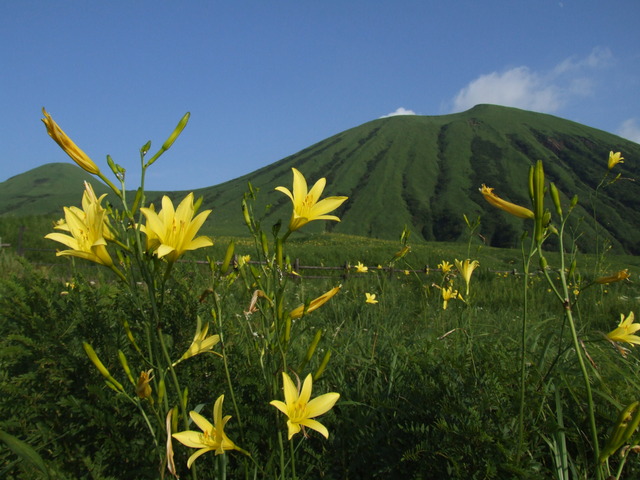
425,392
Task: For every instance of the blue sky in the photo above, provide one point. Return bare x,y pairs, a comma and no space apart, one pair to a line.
263,80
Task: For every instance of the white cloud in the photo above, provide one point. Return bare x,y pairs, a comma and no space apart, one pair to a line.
599,57
524,88
399,111
518,87
630,130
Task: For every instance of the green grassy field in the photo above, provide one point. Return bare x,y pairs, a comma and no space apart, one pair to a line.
425,392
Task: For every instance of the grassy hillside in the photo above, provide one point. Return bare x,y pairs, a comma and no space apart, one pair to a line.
44,190
419,171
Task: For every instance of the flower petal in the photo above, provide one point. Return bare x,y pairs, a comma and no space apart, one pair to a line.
322,404
315,425
193,457
190,439
202,422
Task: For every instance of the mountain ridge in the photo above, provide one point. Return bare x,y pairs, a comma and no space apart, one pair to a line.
424,172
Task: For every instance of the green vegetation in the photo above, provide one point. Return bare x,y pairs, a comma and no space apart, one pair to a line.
425,392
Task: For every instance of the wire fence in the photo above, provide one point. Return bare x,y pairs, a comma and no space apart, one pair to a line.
319,272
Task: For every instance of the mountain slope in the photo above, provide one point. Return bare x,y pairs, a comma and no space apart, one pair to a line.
425,171
44,190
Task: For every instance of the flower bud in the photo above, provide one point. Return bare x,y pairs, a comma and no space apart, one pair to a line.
112,382
245,213
125,366
555,197
70,148
227,258
323,365
574,201
177,131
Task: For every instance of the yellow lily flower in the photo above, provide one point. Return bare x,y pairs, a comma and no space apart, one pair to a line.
614,159
616,277
170,233
212,437
625,331
360,268
300,410
71,149
466,269
445,267
307,205
315,303
449,294
243,260
89,230
371,298
508,207
201,343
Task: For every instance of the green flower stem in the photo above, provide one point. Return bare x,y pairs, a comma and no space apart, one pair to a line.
621,466
225,361
563,296
526,262
174,378
578,349
587,384
293,460
115,189
282,469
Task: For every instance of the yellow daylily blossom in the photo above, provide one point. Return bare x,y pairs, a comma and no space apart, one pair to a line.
201,343
616,277
614,159
71,149
307,205
466,269
625,331
361,268
212,437
315,303
170,233
449,294
243,260
89,230
508,207
371,298
300,410
445,267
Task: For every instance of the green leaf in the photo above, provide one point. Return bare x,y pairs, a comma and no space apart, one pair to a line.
25,451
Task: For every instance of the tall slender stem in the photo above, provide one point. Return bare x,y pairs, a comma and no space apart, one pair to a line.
526,262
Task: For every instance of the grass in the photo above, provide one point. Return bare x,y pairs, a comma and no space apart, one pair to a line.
425,392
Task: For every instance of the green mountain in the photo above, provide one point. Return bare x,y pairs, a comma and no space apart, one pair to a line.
419,171
44,190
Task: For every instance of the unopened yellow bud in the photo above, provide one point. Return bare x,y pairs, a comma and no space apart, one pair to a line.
70,148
